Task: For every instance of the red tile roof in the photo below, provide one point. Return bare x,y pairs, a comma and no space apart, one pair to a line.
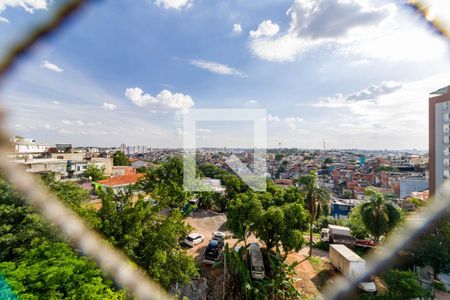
284,181
122,180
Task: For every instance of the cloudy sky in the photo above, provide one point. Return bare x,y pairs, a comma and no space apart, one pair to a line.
354,73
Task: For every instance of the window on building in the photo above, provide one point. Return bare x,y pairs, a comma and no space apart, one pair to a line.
446,128
446,117
446,139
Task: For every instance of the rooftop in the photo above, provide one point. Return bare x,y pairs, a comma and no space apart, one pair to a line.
122,180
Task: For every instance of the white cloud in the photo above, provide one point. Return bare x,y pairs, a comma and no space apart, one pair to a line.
313,23
370,93
237,28
4,20
290,122
332,19
76,122
217,68
266,28
279,49
28,5
174,4
252,101
109,106
56,102
356,28
49,66
395,120
272,118
165,100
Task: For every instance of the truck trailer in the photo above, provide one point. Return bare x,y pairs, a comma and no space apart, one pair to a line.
337,235
350,265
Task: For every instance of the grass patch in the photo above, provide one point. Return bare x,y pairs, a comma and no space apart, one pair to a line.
316,263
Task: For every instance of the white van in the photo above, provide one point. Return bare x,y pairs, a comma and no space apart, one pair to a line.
256,261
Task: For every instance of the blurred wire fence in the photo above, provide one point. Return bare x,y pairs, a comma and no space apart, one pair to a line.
117,265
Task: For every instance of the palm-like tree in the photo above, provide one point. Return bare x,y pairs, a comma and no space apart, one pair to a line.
316,199
379,215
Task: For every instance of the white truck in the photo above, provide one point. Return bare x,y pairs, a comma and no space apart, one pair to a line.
337,235
350,265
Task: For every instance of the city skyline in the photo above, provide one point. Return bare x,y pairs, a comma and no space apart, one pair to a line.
108,79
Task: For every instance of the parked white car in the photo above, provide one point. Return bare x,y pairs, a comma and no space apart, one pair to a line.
194,239
218,235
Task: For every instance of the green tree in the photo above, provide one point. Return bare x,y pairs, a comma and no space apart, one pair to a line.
278,156
328,160
54,271
94,173
20,228
316,200
347,194
120,159
148,238
243,213
280,227
356,223
379,215
402,285
73,195
161,254
433,248
234,185
165,183
36,261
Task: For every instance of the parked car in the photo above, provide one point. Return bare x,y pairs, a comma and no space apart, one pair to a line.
190,207
256,261
194,239
215,248
218,235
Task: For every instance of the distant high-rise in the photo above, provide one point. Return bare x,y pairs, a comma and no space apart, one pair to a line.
439,138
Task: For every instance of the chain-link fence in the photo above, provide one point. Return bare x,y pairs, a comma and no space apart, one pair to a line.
116,264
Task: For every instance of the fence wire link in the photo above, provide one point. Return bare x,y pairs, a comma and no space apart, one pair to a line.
114,262
111,261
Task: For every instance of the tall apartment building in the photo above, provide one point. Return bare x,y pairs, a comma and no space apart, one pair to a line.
439,137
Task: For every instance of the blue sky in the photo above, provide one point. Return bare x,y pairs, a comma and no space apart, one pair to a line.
355,73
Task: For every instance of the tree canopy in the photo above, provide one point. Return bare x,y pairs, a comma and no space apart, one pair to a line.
402,285
37,263
146,237
120,159
274,217
379,215
94,173
433,248
316,200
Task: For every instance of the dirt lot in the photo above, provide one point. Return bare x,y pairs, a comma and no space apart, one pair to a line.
312,274
311,277
206,222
